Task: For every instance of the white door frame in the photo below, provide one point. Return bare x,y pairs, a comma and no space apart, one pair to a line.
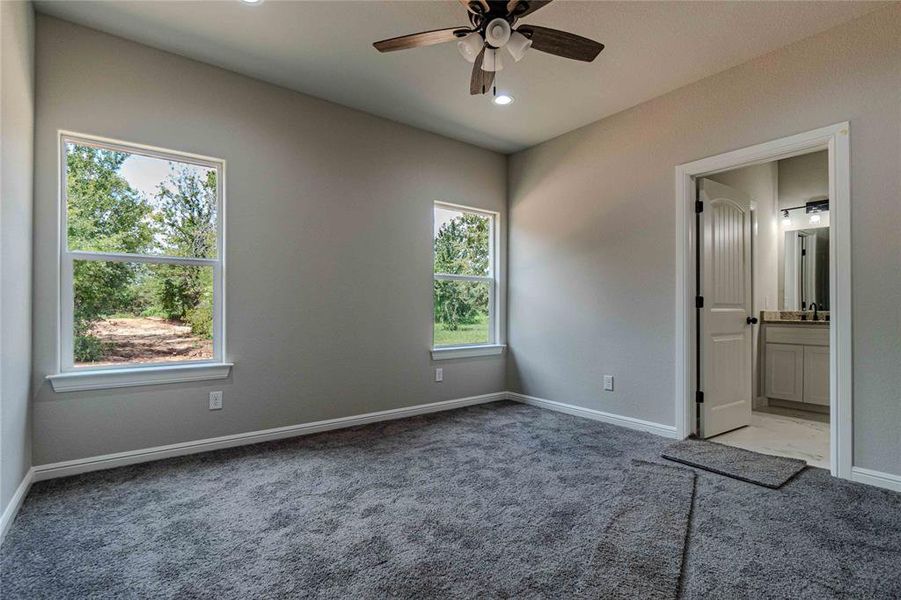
835,139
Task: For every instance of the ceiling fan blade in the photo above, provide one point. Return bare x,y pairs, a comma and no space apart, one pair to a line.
481,81
562,43
418,40
469,6
521,8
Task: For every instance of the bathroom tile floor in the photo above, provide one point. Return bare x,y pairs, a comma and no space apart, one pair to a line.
783,434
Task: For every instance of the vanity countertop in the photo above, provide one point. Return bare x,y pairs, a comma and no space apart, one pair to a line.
796,317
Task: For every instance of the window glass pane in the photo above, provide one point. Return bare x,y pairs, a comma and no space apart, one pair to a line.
129,313
461,313
122,202
462,242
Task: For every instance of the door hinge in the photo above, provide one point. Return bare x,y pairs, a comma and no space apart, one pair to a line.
803,252
699,301
699,206
699,397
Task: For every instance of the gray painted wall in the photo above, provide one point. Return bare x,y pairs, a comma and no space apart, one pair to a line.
803,178
323,203
592,269
16,172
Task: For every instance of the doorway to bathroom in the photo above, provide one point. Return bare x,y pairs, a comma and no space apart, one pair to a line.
764,266
763,311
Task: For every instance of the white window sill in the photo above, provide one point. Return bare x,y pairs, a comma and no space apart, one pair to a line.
129,377
450,352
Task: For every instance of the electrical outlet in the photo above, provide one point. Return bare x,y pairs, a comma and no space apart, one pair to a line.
608,383
439,375
215,400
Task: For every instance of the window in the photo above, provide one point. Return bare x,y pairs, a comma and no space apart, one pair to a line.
140,262
465,282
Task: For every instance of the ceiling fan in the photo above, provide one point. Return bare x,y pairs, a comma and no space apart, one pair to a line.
490,31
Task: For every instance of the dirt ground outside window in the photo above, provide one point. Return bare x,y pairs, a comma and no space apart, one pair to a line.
147,339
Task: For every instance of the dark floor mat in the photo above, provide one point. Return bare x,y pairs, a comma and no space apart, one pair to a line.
753,467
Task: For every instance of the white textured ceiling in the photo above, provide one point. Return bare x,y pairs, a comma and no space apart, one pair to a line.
324,49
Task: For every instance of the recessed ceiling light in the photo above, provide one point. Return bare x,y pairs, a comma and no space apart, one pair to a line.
251,1
503,100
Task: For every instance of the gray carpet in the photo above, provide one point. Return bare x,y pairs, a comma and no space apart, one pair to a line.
496,501
753,467
640,553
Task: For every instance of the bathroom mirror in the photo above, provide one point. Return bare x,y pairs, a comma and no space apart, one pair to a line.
806,253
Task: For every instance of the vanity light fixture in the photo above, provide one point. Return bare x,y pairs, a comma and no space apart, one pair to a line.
815,208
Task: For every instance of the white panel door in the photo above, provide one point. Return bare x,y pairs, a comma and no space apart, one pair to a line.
725,334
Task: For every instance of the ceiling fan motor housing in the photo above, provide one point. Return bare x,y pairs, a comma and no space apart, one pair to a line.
497,32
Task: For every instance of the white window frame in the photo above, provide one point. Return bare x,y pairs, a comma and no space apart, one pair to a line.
493,346
72,378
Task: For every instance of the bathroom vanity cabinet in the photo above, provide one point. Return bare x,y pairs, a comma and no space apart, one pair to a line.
796,362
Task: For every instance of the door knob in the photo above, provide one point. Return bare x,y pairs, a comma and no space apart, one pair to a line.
751,320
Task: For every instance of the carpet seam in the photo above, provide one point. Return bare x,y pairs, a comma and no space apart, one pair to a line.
580,590
691,514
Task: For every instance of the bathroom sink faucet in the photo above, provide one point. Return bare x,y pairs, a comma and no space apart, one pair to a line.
816,317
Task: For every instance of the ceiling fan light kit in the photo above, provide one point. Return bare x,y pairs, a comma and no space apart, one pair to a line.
470,46
492,61
497,33
491,29
518,45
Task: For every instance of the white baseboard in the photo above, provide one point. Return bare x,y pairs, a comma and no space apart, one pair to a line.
15,503
131,457
668,431
877,478
109,461
120,459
